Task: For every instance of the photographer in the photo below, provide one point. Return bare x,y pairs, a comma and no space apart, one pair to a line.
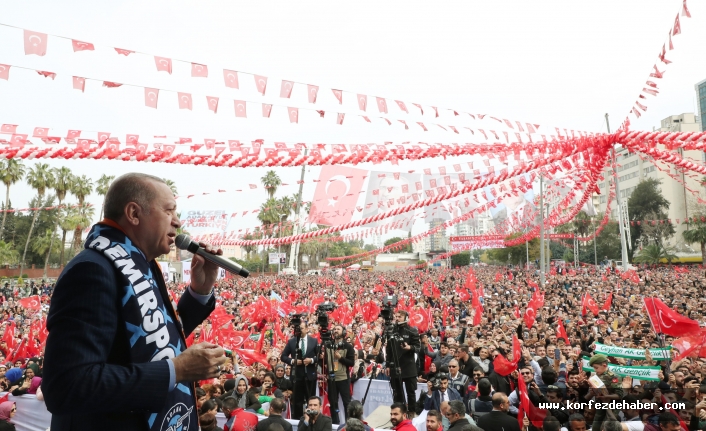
339,359
304,371
313,419
400,352
438,391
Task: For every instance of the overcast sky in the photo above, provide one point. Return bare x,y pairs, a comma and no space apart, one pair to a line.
553,63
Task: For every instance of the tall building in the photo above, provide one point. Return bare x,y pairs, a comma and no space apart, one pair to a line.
701,103
632,169
437,241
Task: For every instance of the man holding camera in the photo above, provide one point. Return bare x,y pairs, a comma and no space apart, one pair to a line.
438,391
313,419
304,371
339,359
401,362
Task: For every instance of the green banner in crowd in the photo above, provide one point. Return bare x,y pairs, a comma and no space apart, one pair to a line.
628,353
640,373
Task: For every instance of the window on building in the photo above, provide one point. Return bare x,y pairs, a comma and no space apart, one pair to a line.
648,170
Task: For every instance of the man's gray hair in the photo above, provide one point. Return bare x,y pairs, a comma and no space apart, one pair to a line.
354,424
132,187
457,407
355,409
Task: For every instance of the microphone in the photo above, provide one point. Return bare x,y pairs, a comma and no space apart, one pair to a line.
183,242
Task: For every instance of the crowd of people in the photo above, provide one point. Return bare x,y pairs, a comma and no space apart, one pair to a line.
270,374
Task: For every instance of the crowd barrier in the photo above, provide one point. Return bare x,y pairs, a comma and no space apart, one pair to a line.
32,414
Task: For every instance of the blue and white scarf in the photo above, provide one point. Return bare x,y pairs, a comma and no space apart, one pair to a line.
151,322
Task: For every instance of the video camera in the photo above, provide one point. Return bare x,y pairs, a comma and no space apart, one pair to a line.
322,311
436,381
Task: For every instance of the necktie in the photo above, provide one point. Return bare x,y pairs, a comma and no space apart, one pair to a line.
301,346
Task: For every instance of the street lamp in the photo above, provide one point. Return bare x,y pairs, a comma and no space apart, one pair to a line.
279,246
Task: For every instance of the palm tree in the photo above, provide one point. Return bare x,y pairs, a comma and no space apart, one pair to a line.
11,171
654,254
63,182
80,220
81,188
102,187
66,222
40,177
171,185
8,254
271,181
45,244
696,233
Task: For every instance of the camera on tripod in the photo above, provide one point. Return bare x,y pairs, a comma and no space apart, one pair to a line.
322,311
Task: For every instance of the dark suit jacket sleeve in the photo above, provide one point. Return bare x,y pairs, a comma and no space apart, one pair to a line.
192,312
83,322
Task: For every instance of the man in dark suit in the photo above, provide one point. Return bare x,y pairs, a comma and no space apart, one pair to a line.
401,361
304,371
316,421
498,419
276,409
115,355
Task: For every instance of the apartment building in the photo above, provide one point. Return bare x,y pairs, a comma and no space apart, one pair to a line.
633,168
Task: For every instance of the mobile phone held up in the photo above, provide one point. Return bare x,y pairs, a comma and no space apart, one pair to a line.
557,354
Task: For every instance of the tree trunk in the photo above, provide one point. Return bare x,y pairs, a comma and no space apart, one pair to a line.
77,239
29,236
4,213
46,261
703,253
63,247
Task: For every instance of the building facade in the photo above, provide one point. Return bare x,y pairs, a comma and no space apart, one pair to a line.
633,168
701,103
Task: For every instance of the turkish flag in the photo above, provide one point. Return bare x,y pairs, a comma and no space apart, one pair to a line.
40,132
185,101
312,92
35,43
266,110
151,97
9,336
402,106
589,303
261,84
419,319
241,108
339,95
5,71
561,331
293,115
362,102
249,357
667,321
690,345
382,104
163,64
286,90
502,366
339,119
608,301
212,103
517,313
199,70
231,78
533,413
338,188
79,83
81,46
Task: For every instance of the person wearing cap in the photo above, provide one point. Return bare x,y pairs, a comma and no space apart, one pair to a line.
612,389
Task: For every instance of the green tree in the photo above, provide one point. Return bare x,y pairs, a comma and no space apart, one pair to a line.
647,203
461,259
102,186
654,253
66,223
271,182
696,232
406,249
82,187
8,254
40,178
63,182
44,245
516,254
169,184
11,171
369,247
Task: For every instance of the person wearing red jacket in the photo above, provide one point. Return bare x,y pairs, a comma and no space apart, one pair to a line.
398,418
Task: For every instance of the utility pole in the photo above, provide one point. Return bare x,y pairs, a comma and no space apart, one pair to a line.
541,230
623,245
595,255
294,249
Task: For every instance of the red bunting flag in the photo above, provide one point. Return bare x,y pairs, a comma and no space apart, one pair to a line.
4,72
199,70
35,43
81,46
151,97
163,64
667,321
185,101
231,78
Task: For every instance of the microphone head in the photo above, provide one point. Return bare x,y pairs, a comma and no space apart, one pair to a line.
182,241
